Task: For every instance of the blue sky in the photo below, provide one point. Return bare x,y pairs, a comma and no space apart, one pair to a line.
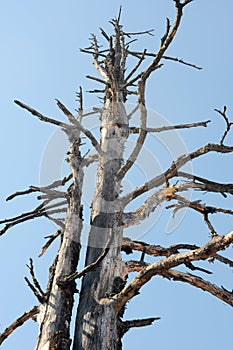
40,61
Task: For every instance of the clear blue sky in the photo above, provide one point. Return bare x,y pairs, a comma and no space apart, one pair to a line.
40,61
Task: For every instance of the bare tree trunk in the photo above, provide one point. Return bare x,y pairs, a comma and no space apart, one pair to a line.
97,324
55,313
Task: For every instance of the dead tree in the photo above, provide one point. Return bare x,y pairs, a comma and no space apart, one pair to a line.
106,286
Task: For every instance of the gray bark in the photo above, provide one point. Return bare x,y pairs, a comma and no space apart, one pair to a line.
97,324
55,313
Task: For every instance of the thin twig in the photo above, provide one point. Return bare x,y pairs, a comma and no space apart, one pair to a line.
168,27
80,100
126,325
50,241
149,32
91,52
41,116
134,110
96,79
105,35
32,273
44,189
135,130
86,132
136,67
67,113
228,124
38,212
39,297
140,141
21,193
179,60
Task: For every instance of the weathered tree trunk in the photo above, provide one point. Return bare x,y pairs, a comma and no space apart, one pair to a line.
97,323
55,313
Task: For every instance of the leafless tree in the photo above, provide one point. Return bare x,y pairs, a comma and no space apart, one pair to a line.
106,282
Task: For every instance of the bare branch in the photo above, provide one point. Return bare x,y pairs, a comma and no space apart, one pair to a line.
135,266
216,244
21,193
80,100
175,59
45,189
172,171
91,159
134,110
149,32
179,60
96,63
38,296
91,52
35,281
208,185
155,250
192,267
119,14
140,141
67,113
135,130
168,27
166,40
134,217
35,286
52,194
139,76
50,241
41,116
196,281
96,91
129,245
96,79
126,325
86,132
18,322
63,125
200,207
228,124
52,271
105,35
59,222
57,183
136,67
95,111
205,210
39,211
